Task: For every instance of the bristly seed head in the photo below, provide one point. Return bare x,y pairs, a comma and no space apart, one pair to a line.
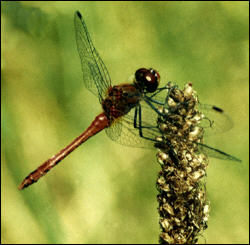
183,206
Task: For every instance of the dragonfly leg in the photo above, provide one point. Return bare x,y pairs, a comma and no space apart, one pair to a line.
150,103
135,117
138,125
154,101
150,98
158,90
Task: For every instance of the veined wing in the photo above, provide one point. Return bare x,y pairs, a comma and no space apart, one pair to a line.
128,135
216,121
95,74
216,153
123,131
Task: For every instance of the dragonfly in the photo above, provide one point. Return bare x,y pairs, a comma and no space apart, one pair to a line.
129,109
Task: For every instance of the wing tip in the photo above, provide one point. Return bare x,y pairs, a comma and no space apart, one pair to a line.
78,14
237,159
218,109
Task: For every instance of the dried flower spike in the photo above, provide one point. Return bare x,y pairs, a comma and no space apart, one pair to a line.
183,206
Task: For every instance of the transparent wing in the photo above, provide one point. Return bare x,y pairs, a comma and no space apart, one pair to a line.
216,121
123,131
115,130
95,74
129,136
213,152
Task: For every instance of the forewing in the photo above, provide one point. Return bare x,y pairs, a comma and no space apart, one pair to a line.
95,74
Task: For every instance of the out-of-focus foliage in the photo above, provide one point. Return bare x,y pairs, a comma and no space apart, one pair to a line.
105,192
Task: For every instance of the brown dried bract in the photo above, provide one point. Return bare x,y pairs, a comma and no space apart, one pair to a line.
183,205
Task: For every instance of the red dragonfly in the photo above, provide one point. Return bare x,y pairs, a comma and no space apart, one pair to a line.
129,109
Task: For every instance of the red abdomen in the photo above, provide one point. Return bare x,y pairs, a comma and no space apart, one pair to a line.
100,122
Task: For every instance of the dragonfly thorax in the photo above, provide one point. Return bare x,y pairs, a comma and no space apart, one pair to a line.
147,80
120,100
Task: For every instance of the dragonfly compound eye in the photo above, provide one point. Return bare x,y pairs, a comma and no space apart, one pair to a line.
147,79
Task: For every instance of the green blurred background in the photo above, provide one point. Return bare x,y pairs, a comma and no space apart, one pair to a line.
105,192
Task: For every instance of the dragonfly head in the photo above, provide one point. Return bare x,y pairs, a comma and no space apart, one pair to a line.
147,79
